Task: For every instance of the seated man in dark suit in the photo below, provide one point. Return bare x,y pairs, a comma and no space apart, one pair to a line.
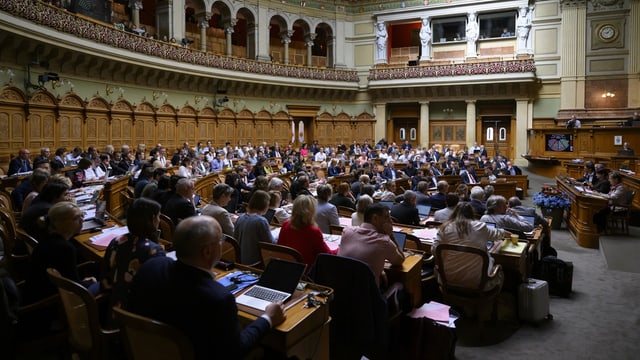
626,150
180,205
20,163
406,211
422,194
185,295
476,196
437,200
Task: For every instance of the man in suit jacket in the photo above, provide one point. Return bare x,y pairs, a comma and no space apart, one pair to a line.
422,195
180,206
406,211
389,172
20,163
184,294
437,200
476,196
468,175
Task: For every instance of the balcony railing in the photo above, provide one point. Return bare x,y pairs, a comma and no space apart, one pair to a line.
63,21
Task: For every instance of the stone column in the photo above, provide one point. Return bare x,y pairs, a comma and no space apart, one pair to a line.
519,136
573,56
634,55
262,39
381,121
308,40
424,124
471,122
135,6
285,37
339,45
331,43
204,25
228,31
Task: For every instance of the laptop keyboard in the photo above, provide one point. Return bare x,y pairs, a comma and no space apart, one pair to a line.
266,294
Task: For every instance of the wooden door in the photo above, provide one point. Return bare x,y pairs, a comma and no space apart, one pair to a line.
406,129
496,136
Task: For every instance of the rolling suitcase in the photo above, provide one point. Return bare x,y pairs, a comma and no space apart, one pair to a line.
533,300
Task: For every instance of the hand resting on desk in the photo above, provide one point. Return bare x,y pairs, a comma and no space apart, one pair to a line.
275,311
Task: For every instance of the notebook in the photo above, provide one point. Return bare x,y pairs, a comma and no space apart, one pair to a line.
401,238
423,212
388,204
98,221
277,283
530,219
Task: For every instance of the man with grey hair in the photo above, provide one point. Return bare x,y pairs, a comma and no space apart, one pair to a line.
180,205
185,295
406,211
505,218
476,199
221,197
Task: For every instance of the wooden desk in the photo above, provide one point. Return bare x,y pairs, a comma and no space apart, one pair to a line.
580,221
203,186
521,181
113,194
304,333
632,182
409,274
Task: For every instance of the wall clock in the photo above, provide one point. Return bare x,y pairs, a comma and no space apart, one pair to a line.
607,33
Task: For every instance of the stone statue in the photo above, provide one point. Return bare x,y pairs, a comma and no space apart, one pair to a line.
472,35
425,39
381,43
523,27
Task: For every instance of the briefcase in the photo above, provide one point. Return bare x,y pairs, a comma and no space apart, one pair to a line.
426,339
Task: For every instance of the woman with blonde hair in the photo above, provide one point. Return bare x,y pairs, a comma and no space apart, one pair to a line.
357,218
301,232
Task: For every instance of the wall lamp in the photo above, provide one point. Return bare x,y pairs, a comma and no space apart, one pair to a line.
447,110
608,94
219,102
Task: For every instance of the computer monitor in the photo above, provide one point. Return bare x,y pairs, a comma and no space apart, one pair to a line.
401,238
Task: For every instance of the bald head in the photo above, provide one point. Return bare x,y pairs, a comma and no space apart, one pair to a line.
197,241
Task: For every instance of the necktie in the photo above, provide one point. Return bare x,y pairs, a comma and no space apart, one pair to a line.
471,180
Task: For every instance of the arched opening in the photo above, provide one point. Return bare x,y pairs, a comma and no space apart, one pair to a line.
245,34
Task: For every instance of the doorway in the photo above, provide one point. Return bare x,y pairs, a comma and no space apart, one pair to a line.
406,129
496,136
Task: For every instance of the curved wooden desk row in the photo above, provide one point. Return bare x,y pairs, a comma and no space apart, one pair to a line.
580,221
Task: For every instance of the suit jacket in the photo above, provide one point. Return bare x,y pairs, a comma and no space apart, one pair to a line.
388,173
422,199
221,215
437,201
178,208
326,215
341,200
405,213
190,299
17,166
464,175
478,207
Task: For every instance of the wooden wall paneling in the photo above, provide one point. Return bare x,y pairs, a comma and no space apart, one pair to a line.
248,129
41,119
70,124
122,129
144,125
364,129
187,125
342,129
324,123
207,124
97,129
167,128
282,128
226,128
12,110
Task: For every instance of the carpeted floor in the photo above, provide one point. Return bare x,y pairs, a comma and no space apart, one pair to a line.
600,320
621,251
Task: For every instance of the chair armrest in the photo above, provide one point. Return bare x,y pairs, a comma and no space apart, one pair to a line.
392,297
429,260
495,271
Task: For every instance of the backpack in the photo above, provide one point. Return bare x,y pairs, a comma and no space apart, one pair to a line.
558,273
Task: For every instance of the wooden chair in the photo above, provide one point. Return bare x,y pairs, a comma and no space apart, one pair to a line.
270,251
167,227
476,262
15,263
619,219
148,339
336,229
345,211
86,335
230,249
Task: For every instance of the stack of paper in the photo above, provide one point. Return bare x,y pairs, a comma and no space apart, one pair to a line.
437,312
102,240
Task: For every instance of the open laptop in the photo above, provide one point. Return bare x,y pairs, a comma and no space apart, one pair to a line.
491,225
277,283
401,238
530,219
423,211
269,215
97,221
388,204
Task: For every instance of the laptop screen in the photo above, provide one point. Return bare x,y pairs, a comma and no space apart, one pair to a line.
282,275
269,215
388,204
423,210
491,225
530,219
401,238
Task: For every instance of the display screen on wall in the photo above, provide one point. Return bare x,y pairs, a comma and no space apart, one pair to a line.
559,142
